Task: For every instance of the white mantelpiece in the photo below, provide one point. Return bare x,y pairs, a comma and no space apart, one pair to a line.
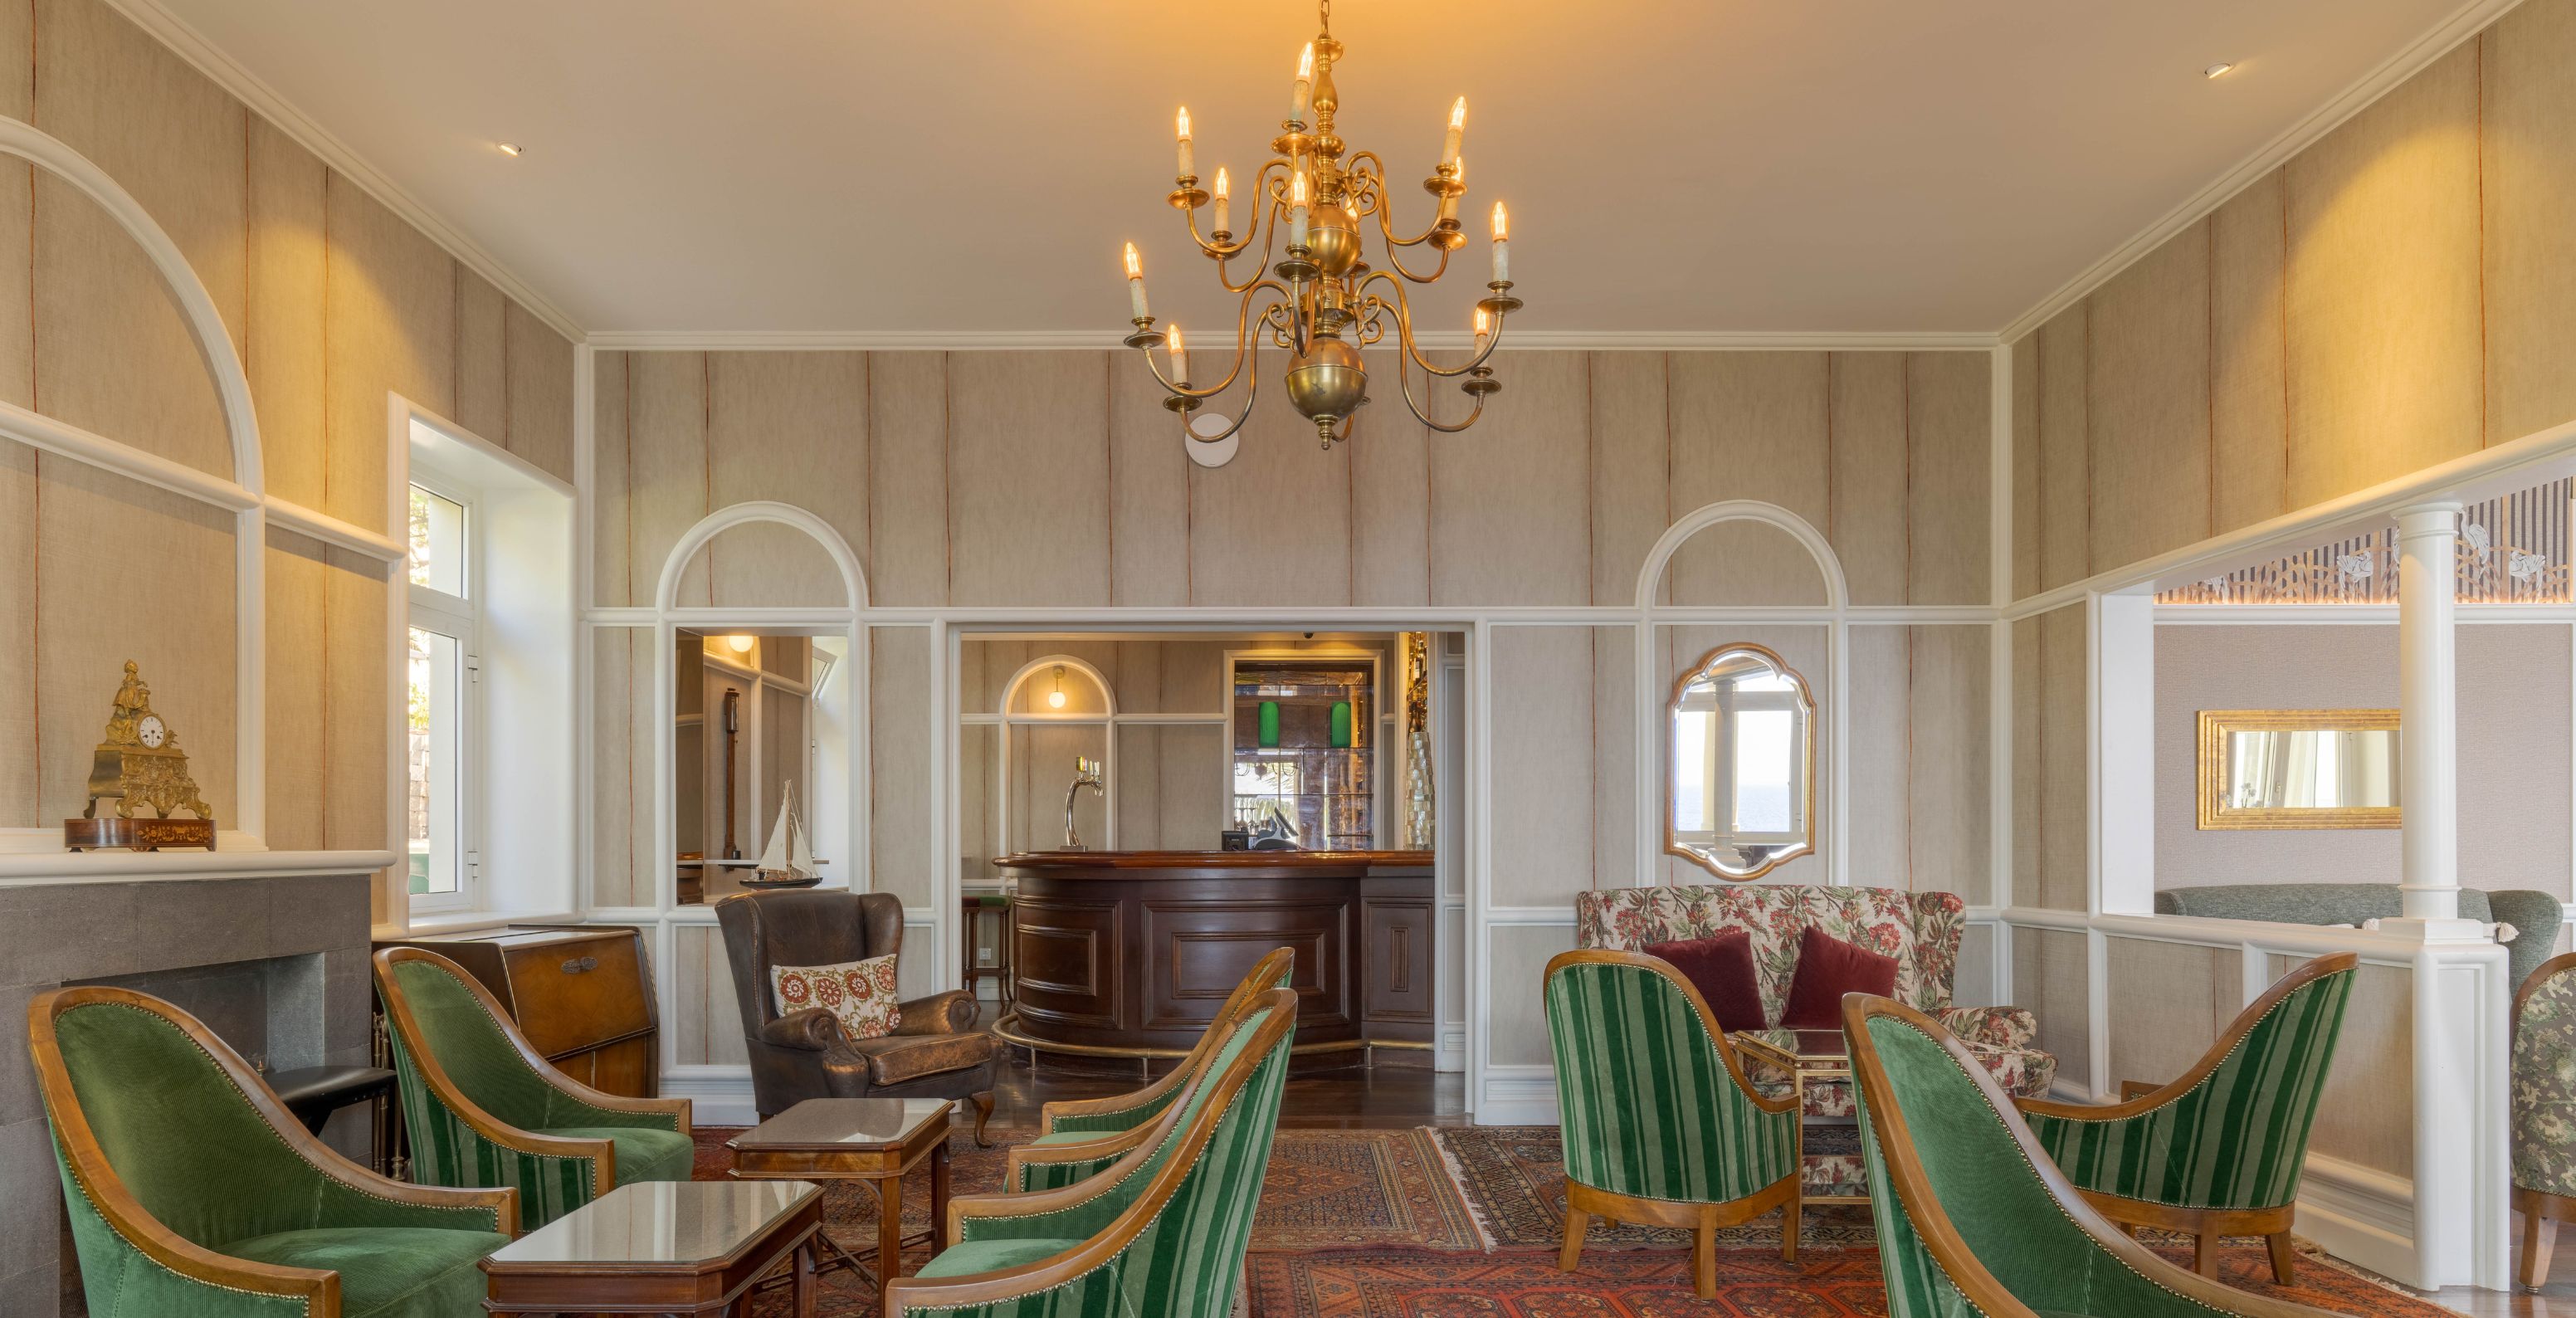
141,866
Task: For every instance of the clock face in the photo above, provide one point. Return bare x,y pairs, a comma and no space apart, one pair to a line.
151,731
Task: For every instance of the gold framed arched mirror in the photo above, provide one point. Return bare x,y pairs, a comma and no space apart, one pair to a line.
1740,773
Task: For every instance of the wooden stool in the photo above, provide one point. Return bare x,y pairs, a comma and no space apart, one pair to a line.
971,906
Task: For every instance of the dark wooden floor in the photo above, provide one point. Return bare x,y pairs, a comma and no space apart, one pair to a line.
1388,1095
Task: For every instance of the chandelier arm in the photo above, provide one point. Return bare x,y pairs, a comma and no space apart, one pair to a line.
1245,346
1260,212
1251,394
1404,386
1403,308
1395,259
1272,197
1386,212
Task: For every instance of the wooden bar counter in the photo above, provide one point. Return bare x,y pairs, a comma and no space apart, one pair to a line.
1129,953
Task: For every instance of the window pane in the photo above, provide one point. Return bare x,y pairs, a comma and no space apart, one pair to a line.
1765,749
436,705
437,542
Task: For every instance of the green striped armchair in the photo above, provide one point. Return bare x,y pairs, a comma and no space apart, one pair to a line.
2544,1111
482,1107
1661,1124
1972,1216
1162,1231
1078,1138
194,1194
2219,1151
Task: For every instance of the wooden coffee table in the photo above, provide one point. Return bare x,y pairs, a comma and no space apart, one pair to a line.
684,1247
858,1139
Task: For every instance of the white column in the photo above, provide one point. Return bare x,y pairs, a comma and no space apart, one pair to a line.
2428,699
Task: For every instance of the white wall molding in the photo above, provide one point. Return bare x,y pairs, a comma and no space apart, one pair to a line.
1102,339
2358,1214
718,1095
2463,23
1519,1094
247,87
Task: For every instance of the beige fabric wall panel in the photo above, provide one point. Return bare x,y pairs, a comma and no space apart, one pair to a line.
1541,764
2248,402
979,755
2065,489
18,752
167,563
176,141
1149,491
1028,454
1949,768
2367,1115
2385,327
1140,787
790,427
1190,796
1042,756
899,730
17,218
907,553
1517,1023
1975,970
1511,499
612,508
1949,482
2528,175
540,378
390,328
2167,1003
666,437
1747,425
1274,525
283,342
1390,503
2026,769
1615,863
2065,757
2149,415
299,587
2051,979
1881,827
1631,459
1866,437
482,359
2025,460
703,948
361,696
614,702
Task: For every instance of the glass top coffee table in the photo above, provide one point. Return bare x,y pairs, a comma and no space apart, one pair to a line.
858,1139
661,1247
1797,1058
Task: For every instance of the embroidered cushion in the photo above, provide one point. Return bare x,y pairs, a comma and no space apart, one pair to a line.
1828,968
1720,966
859,994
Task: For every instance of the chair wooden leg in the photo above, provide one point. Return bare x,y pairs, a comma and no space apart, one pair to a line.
983,1113
1790,1213
1575,1221
1704,1257
2204,1254
2283,1269
2539,1235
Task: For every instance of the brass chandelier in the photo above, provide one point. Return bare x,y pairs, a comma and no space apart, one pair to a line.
1325,300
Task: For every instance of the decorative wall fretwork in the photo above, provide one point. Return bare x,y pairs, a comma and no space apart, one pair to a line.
2512,550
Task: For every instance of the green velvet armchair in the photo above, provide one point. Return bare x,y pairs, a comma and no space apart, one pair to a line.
2544,1111
193,1193
483,1108
1162,1231
1660,1123
1972,1216
2217,1152
1080,1137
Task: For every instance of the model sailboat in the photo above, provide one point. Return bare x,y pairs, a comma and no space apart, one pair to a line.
788,860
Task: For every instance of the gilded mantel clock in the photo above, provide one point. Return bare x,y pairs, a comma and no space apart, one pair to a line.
140,764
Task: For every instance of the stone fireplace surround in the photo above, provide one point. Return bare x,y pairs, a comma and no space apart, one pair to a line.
269,948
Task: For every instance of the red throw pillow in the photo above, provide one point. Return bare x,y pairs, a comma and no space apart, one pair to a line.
1828,968
1720,966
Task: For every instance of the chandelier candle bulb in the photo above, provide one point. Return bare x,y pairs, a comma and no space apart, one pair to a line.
1297,211
1484,328
1189,165
1180,357
1457,127
1502,245
1222,207
1135,285
1449,199
1305,85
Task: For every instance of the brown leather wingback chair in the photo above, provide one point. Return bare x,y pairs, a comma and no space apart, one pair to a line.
932,1053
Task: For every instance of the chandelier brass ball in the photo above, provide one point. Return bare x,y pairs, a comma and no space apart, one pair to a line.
1328,382
1333,243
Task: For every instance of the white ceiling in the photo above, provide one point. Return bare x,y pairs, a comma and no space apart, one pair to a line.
1672,165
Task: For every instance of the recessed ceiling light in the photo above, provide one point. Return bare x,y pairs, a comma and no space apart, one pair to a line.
2213,71
514,150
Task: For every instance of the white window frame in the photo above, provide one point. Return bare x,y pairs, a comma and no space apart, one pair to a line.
462,618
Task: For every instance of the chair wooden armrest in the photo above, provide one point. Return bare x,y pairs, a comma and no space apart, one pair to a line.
1063,1108
1025,1156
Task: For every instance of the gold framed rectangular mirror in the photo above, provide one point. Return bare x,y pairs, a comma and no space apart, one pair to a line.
2298,768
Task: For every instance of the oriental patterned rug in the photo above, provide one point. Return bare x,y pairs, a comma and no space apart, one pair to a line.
1514,1178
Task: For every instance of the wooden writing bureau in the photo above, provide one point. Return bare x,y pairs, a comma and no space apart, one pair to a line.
583,994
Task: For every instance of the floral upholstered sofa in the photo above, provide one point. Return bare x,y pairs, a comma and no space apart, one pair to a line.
1920,929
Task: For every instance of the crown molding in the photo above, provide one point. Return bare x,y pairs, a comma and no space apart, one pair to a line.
1093,340
231,75
2446,36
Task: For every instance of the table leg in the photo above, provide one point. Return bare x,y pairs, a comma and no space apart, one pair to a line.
805,1278
889,1234
938,1198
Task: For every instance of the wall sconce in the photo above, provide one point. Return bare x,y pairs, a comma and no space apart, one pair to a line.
1055,698
741,644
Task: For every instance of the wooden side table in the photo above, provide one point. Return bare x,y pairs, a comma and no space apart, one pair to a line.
664,1247
1804,1056
858,1139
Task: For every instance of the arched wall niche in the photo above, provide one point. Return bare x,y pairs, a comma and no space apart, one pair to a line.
764,565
